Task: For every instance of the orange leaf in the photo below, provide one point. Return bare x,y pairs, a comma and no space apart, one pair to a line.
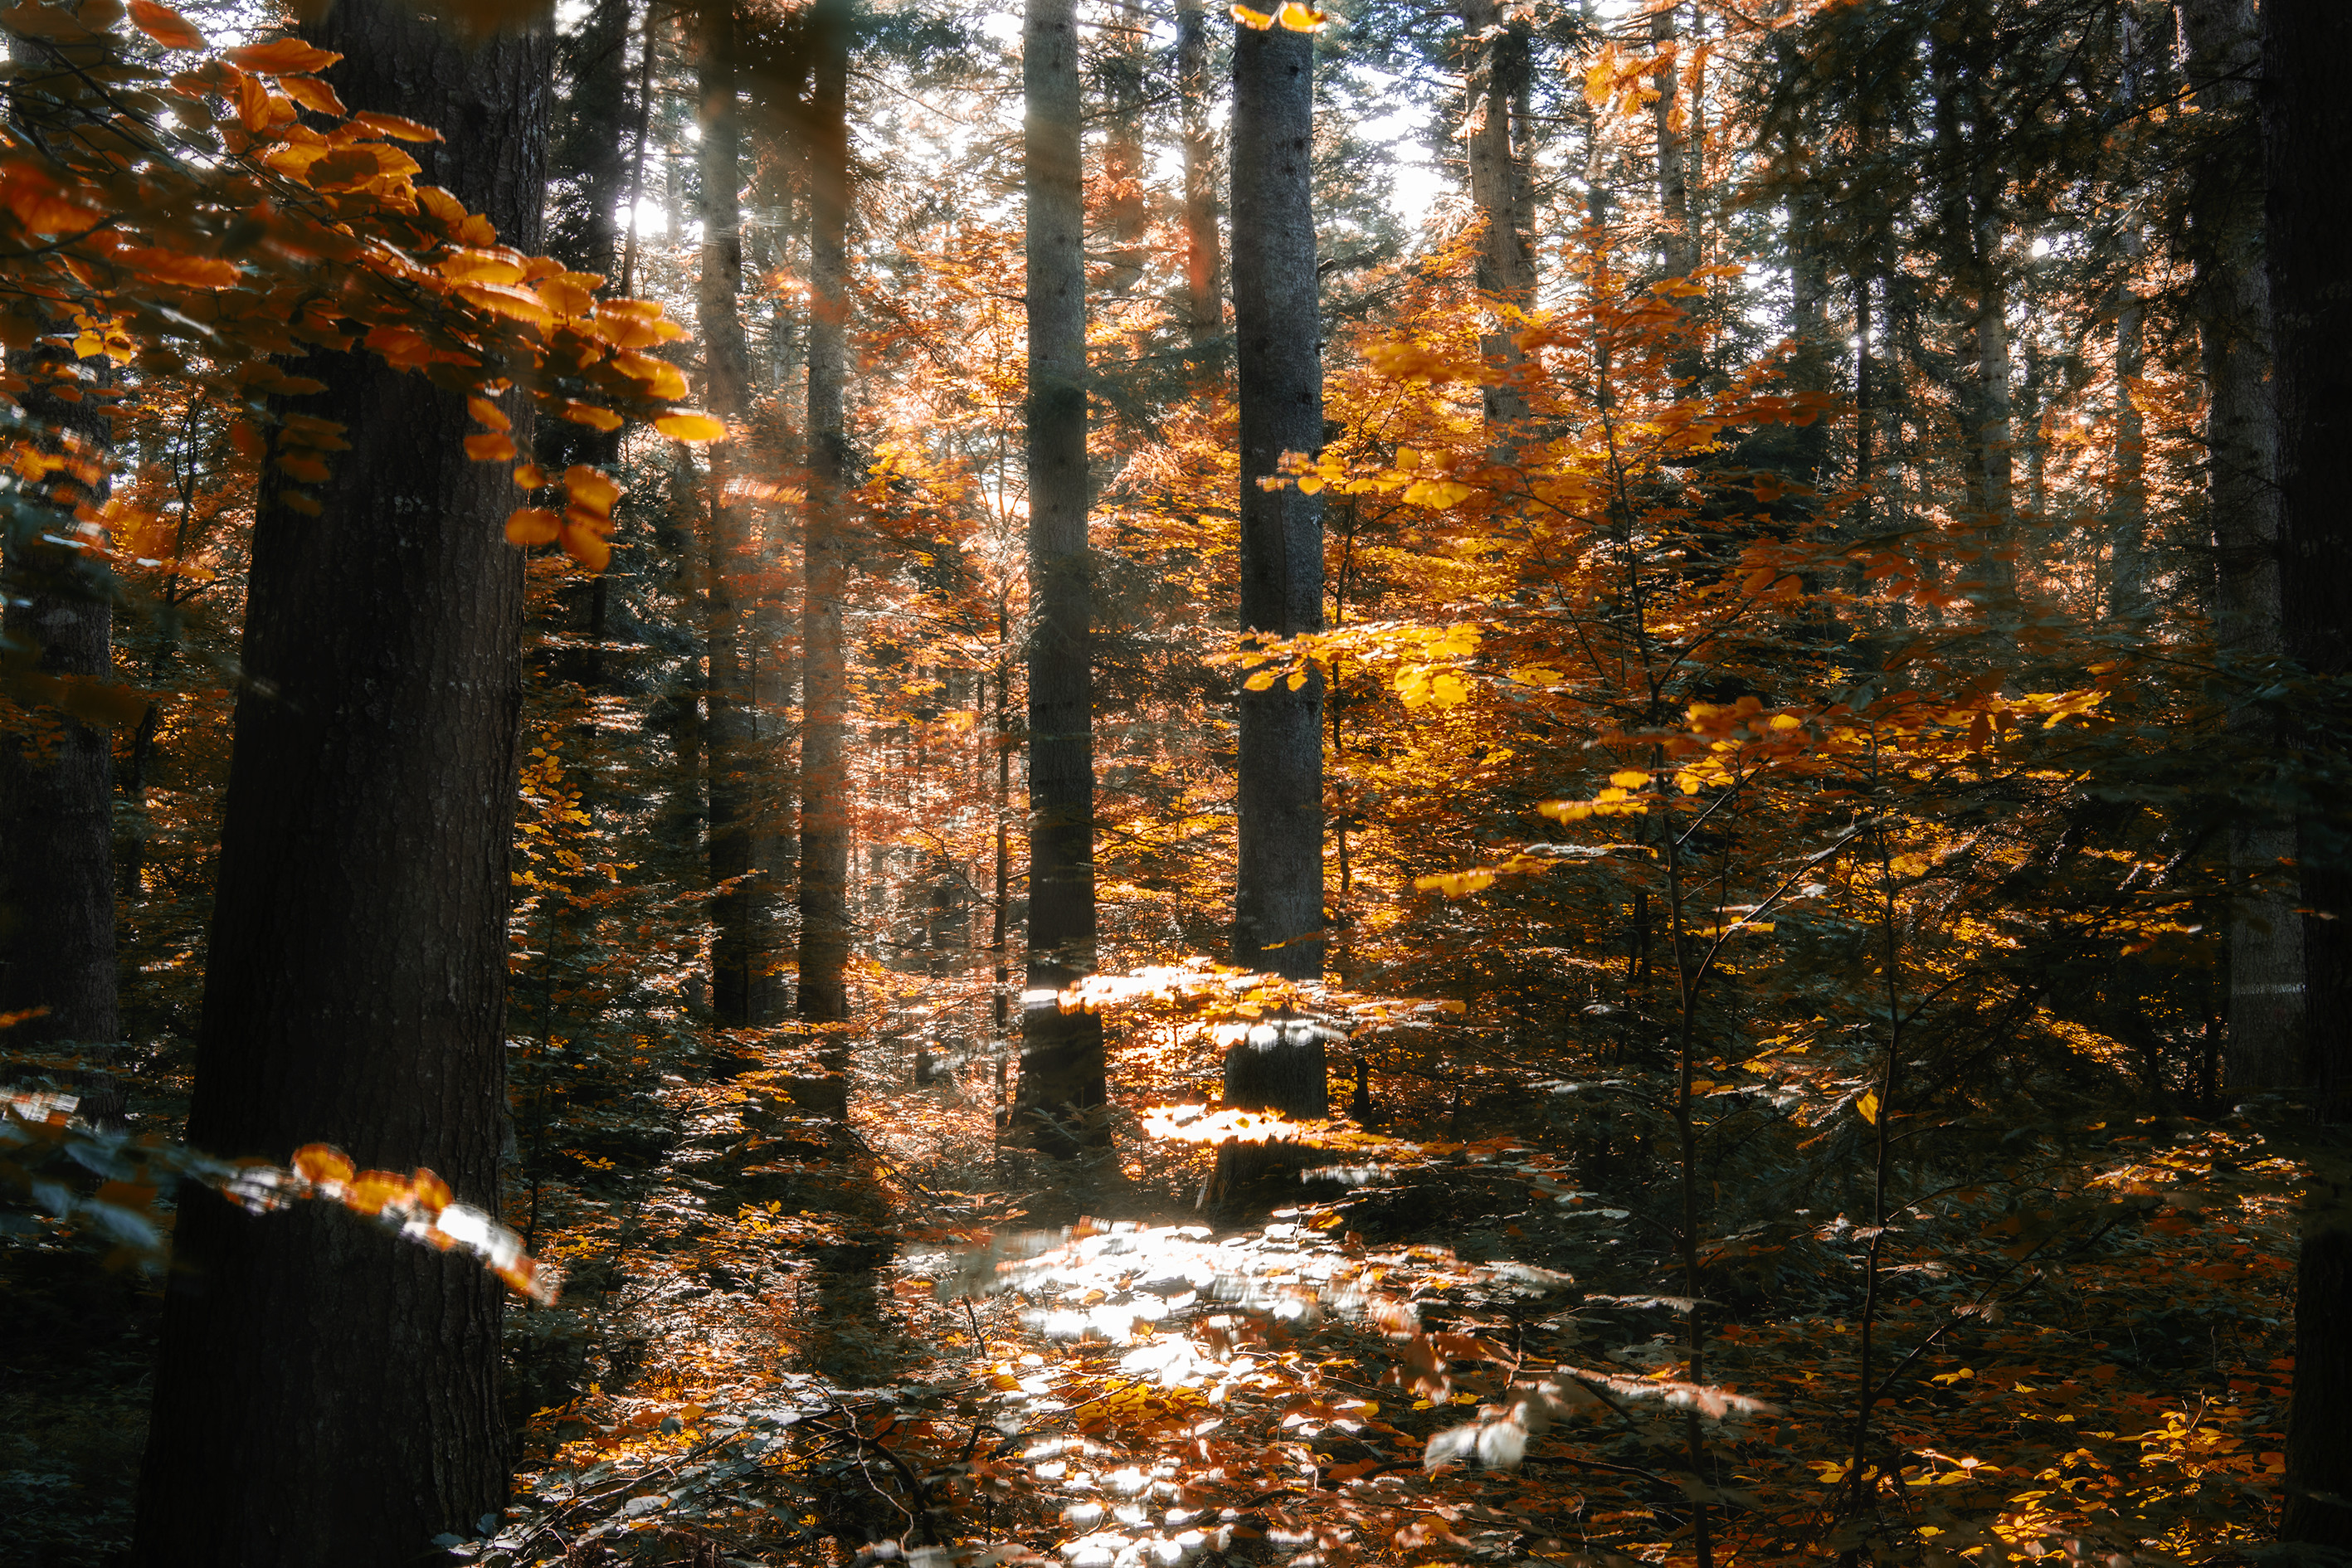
304,467
498,446
165,26
596,418
662,378
687,425
469,266
324,1162
312,94
528,525
588,548
190,272
488,414
397,128
509,299
590,489
281,57
252,103
530,476
433,1194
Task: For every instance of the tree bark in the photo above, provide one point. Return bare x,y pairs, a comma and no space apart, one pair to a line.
2222,43
1123,170
824,564
1495,129
1678,242
1204,307
2307,138
1061,1076
326,1393
1278,890
1281,1064
743,946
56,787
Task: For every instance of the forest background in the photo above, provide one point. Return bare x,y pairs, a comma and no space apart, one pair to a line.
1753,692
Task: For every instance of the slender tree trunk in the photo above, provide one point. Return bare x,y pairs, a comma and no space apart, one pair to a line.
2222,41
1278,894
1678,242
824,685
57,785
2307,136
1495,129
1204,308
1125,215
326,1393
2127,513
1062,1083
742,957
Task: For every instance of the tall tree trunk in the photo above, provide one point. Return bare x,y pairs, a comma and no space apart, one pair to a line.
57,785
1278,890
1495,129
742,958
2127,513
1204,306
1125,215
2222,42
2307,137
1677,241
824,565
1062,1080
326,1393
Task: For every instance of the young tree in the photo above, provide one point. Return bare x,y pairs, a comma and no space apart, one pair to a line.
2307,139
324,1396
1278,879
1061,1052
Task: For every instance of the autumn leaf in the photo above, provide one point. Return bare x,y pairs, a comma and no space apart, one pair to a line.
686,425
1259,20
497,446
398,128
165,26
281,57
530,525
1867,1108
313,94
590,489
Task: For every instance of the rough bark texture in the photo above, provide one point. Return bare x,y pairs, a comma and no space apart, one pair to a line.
1496,130
2221,41
327,1394
1062,1087
2307,138
1205,304
1678,242
1281,1064
744,991
57,872
824,770
1278,890
1125,212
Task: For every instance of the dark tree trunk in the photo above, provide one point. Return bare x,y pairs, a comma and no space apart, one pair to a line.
56,784
2222,43
2307,139
1281,1064
743,955
1062,1084
326,1393
825,769
1278,891
1204,300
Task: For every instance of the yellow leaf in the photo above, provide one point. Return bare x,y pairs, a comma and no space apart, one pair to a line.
596,418
1249,18
1308,484
1261,681
1630,778
165,26
1868,1106
1787,721
1448,691
662,378
1300,18
590,489
686,425
469,264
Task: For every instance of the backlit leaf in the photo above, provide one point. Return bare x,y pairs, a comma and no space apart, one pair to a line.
165,26
684,424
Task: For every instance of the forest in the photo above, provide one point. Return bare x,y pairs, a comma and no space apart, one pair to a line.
1127,785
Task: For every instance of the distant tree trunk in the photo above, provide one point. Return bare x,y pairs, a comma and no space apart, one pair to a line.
1678,241
326,1392
742,957
1278,891
2222,41
1125,215
1204,308
2307,136
1062,1083
825,683
1281,1064
1496,129
57,783
2127,514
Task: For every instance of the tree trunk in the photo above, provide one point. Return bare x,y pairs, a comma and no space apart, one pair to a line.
742,957
1281,1064
1278,889
326,1393
1204,308
824,565
1062,1088
1125,215
2307,137
1678,242
2223,46
56,784
1497,132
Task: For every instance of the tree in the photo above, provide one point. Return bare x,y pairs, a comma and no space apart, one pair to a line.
2307,138
1497,131
1278,886
1204,298
324,1396
1062,1085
